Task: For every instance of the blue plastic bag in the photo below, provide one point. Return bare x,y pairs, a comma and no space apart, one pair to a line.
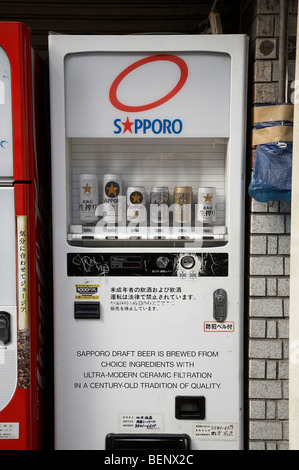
272,171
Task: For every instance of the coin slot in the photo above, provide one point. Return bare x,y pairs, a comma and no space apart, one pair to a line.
187,407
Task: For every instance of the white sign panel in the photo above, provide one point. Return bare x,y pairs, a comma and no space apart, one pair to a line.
147,95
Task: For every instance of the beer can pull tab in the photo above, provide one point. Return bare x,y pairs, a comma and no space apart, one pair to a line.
220,305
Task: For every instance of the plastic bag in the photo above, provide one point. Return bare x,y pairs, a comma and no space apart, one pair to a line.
272,171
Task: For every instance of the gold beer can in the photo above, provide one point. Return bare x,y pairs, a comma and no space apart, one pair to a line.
182,199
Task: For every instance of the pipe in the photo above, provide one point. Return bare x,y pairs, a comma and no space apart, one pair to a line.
282,59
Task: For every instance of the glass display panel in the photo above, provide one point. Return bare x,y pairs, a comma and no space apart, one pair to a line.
147,192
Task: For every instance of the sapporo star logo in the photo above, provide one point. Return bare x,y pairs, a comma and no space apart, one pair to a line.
127,125
136,198
208,197
87,189
112,189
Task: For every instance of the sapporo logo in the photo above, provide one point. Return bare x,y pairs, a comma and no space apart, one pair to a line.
87,189
206,198
136,197
144,126
112,189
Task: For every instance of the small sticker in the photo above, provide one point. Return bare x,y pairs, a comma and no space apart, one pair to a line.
87,291
216,326
140,422
23,272
9,430
215,431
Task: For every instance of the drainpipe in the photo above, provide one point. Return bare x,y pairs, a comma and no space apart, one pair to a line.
283,46
294,274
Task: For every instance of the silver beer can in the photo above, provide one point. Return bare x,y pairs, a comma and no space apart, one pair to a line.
112,191
89,197
159,202
206,208
182,199
136,201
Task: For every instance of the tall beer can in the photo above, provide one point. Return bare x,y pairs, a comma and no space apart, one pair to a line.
182,198
136,200
159,202
112,190
206,208
89,197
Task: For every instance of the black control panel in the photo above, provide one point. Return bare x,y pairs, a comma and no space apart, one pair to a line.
147,264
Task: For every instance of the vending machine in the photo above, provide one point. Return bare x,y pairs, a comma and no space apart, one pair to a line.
25,314
148,145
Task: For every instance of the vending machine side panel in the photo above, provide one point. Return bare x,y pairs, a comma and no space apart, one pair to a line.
15,41
22,241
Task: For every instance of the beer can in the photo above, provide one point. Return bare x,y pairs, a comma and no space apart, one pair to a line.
206,208
89,197
182,198
159,202
112,191
136,200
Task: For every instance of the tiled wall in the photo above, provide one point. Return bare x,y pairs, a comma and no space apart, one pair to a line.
268,247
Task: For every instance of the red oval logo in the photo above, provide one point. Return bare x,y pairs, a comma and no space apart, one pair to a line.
170,58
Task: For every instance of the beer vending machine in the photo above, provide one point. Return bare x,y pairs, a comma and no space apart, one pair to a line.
148,144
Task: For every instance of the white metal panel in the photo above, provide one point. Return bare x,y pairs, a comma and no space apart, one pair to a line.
6,143
90,112
7,247
8,301
108,361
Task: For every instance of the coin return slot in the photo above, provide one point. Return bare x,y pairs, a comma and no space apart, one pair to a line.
86,310
147,442
190,407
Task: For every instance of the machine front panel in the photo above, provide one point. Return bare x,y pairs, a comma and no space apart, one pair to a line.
148,181
149,354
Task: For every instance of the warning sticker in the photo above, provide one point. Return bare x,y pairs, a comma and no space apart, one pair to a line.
215,431
140,422
9,430
225,326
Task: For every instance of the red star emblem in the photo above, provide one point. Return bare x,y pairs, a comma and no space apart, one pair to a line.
127,126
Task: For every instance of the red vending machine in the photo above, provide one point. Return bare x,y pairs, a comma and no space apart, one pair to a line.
24,243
